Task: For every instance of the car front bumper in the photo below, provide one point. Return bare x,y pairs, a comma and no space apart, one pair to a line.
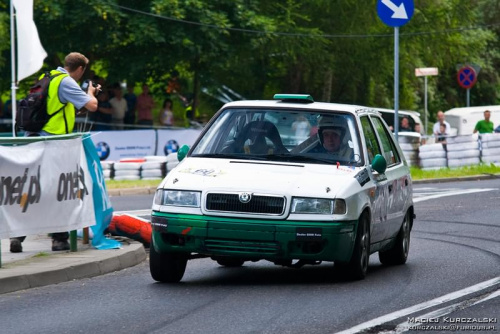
253,239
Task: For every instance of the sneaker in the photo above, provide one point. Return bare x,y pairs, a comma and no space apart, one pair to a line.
60,245
15,246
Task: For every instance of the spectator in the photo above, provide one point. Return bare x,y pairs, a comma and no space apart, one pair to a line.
442,134
405,125
64,98
418,129
167,115
131,99
119,106
440,120
497,129
145,104
484,126
301,128
104,113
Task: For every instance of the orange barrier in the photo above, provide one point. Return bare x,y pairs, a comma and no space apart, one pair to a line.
131,227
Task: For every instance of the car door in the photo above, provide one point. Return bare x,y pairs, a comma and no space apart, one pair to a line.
397,178
379,193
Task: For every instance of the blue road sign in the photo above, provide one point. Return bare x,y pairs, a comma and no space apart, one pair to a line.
466,77
395,13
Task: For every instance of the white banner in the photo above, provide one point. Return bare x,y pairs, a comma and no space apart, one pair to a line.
169,141
30,52
116,145
44,187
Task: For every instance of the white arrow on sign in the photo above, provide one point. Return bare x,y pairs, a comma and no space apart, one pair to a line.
399,12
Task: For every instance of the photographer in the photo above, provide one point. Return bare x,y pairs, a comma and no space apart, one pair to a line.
64,99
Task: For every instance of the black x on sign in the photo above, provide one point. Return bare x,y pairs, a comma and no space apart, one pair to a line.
466,77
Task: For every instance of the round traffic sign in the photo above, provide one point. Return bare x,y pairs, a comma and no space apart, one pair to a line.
395,13
466,77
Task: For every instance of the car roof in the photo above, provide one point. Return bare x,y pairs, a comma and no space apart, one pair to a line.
469,110
408,112
349,108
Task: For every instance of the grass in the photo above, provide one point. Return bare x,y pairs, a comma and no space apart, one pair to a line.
112,184
41,254
416,174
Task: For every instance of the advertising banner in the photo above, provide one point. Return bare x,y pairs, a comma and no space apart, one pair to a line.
102,204
169,141
116,145
45,187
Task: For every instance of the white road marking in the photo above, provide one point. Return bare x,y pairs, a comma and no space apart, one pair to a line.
134,212
451,193
422,306
405,326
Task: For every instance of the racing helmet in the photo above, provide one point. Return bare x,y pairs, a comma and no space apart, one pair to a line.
335,123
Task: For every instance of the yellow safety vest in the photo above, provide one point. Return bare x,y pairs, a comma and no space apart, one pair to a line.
63,120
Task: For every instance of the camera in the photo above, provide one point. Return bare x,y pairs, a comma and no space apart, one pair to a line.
85,87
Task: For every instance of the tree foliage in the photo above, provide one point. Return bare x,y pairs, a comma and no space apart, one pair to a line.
335,50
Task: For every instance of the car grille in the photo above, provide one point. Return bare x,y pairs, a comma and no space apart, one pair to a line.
233,246
258,204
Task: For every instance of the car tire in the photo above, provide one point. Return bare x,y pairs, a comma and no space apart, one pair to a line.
357,267
398,254
166,267
230,262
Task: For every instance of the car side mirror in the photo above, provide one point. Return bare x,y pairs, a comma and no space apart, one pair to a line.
182,152
379,164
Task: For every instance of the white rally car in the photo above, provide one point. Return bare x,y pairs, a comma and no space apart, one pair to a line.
291,181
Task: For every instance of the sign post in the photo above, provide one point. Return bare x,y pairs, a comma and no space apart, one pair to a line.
395,13
425,72
467,77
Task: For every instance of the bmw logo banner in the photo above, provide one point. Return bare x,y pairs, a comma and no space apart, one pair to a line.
116,145
169,141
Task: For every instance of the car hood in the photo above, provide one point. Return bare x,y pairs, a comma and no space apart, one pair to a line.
265,177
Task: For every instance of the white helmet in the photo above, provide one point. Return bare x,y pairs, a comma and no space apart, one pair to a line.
331,123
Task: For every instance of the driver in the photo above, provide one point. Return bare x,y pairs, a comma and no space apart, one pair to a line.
331,135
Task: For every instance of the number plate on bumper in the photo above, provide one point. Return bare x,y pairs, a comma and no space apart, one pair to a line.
309,234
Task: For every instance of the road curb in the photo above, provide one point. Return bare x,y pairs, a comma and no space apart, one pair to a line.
69,266
460,178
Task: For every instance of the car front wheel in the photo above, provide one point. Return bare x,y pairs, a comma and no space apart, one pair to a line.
357,267
399,252
167,267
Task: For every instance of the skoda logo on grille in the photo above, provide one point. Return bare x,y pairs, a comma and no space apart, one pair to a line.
245,197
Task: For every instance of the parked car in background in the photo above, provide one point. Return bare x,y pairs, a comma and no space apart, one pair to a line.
463,120
291,181
412,116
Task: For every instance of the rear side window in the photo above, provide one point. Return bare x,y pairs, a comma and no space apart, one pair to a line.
372,145
390,151
389,119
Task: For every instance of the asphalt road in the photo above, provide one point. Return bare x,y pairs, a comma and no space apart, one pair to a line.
454,250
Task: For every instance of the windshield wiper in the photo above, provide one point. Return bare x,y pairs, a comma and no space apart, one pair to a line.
229,156
300,158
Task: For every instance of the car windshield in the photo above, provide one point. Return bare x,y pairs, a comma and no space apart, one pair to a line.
282,135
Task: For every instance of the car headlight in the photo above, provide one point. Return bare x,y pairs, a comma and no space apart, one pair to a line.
320,206
177,198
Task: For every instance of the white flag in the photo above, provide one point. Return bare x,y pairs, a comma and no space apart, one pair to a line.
30,52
